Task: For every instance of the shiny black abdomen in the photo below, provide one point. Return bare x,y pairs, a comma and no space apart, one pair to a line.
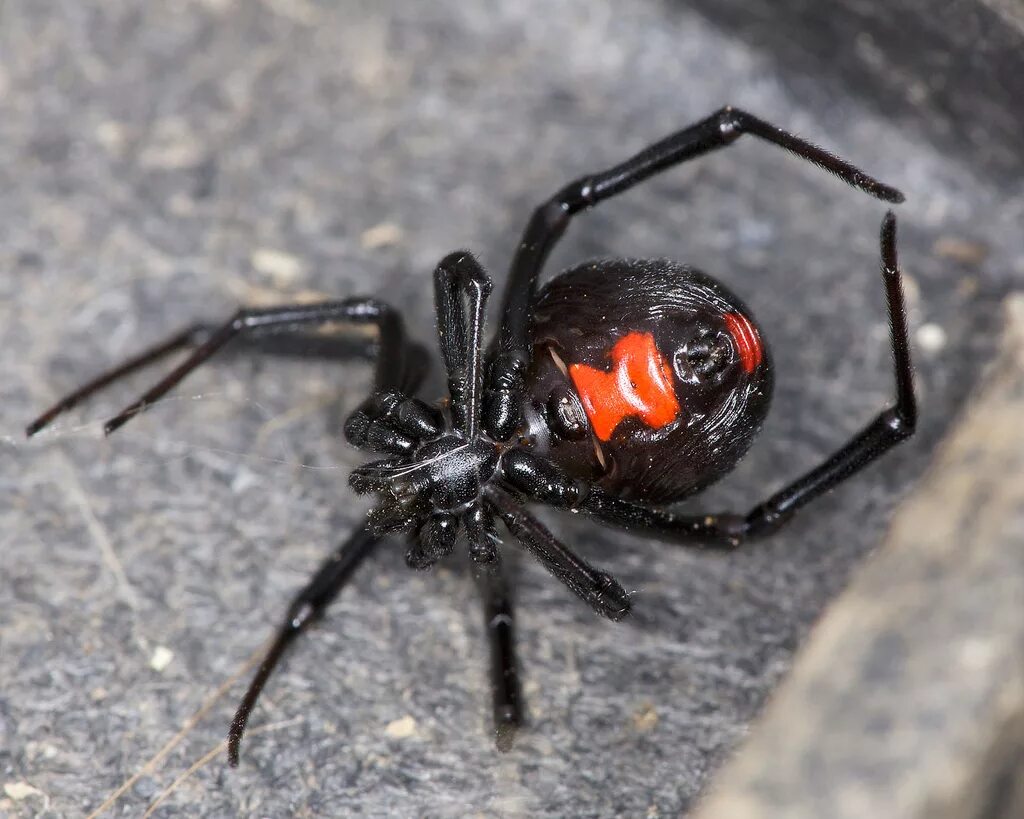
651,376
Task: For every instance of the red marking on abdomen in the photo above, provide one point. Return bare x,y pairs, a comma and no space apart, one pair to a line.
639,385
748,342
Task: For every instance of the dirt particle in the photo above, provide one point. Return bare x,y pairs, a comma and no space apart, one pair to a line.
964,251
386,234
20,790
283,268
401,728
645,718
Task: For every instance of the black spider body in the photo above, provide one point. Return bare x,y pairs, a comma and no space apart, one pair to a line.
646,378
720,375
617,388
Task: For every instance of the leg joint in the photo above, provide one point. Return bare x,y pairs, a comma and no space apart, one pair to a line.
900,422
730,123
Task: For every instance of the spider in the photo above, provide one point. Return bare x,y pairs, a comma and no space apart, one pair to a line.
617,389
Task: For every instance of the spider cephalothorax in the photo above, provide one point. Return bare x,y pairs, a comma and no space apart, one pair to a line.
435,492
440,461
621,386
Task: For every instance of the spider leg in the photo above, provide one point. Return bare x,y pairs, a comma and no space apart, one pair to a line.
460,278
307,606
602,591
542,481
483,539
499,621
549,222
393,351
191,336
395,371
389,422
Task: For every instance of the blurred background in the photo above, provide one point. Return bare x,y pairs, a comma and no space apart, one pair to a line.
166,162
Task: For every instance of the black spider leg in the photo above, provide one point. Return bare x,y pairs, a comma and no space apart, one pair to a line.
503,406
314,598
542,481
307,607
457,279
597,588
459,276
206,341
461,289
391,423
400,365
499,622
191,336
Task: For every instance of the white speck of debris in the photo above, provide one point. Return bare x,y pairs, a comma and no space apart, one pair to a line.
242,481
111,135
977,655
931,338
382,235
20,790
401,728
161,658
283,268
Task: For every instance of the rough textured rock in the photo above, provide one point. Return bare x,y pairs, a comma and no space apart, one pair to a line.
166,161
908,699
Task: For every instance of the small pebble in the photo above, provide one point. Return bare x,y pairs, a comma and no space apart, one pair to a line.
382,235
283,268
645,718
20,790
401,728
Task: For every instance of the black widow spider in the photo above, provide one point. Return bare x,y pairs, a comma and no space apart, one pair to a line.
621,386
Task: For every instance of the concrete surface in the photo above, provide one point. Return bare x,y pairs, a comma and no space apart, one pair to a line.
160,162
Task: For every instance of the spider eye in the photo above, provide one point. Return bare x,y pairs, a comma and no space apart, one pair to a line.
701,359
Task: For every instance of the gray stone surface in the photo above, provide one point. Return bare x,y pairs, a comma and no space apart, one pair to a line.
960,61
908,699
156,160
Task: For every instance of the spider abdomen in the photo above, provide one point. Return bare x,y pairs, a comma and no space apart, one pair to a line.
663,366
